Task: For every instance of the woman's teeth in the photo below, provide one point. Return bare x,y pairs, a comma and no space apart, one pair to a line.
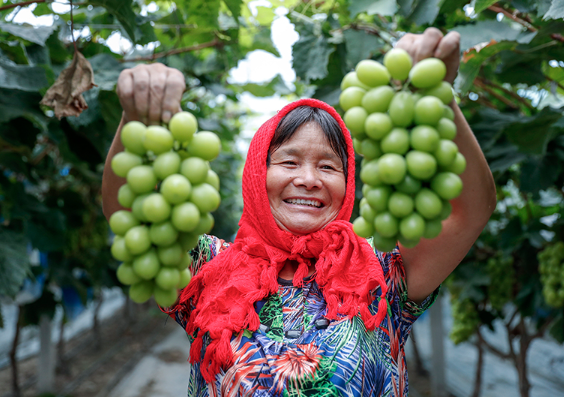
312,203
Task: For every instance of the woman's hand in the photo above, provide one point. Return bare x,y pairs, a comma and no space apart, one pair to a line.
432,43
150,93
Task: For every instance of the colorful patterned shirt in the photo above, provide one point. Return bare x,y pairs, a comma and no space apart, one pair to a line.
298,352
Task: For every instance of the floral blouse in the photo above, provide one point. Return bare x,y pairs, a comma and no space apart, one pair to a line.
298,352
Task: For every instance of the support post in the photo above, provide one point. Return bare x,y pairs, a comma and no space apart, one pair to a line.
46,362
438,383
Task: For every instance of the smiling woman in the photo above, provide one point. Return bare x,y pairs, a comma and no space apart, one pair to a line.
299,304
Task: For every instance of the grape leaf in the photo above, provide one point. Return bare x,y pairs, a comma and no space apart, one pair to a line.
481,5
14,262
372,7
311,56
361,45
425,12
265,15
37,34
556,10
473,59
122,10
235,7
485,32
21,77
276,85
202,13
16,103
543,6
65,96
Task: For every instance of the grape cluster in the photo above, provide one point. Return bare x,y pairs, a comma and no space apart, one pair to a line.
465,320
170,192
401,124
502,277
551,266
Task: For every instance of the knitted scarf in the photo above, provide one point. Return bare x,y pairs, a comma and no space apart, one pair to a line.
223,293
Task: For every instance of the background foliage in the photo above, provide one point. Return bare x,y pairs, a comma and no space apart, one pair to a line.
510,86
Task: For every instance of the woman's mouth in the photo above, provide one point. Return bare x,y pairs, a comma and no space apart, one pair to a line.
310,203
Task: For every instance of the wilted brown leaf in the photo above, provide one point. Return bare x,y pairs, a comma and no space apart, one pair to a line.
65,95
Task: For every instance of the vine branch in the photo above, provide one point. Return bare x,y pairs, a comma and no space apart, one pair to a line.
23,4
508,92
214,43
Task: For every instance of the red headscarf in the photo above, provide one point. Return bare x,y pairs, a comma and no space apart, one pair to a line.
223,293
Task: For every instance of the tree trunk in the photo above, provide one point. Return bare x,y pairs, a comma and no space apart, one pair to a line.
96,323
417,356
62,367
521,360
479,366
13,361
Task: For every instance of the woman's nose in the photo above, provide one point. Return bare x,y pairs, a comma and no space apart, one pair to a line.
308,177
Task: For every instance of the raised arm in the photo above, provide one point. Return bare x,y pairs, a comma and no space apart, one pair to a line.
147,93
429,263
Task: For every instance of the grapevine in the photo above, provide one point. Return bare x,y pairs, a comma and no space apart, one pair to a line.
551,266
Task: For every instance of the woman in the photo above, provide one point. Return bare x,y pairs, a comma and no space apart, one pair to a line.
298,304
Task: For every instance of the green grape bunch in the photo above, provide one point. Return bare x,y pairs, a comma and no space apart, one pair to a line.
502,278
551,267
169,196
465,320
401,124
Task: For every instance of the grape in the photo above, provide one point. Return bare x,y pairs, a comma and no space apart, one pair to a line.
424,138
428,204
409,185
362,227
421,165
119,250
182,126
166,164
351,80
391,168
163,233
351,97
355,118
158,139
147,264
185,277
412,226
400,204
443,91
386,224
446,210
185,217
206,145
427,73
156,208
383,244
447,185
367,212
205,197
502,279
433,228
132,136
187,240
369,173
185,263
205,225
397,141
378,99
123,162
428,110
167,278
141,292
465,320
446,128
398,62
195,169
551,267
126,196
457,166
370,149
408,243
141,179
137,239
372,73
171,255
402,109
126,275
448,113
445,153
137,207
213,179
379,197
121,221
165,297
176,189
378,125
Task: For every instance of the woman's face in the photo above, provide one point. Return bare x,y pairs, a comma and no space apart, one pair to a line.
305,182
